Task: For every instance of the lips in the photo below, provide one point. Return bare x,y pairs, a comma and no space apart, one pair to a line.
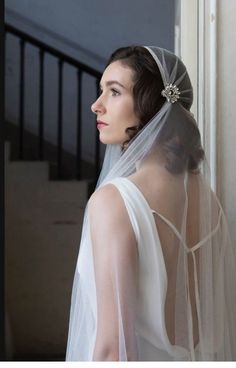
101,124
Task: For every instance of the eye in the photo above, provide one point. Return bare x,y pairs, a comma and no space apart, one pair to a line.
115,92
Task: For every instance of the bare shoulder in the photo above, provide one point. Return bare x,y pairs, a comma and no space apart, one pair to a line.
107,210
107,199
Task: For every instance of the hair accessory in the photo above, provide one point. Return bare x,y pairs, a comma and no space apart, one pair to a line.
171,92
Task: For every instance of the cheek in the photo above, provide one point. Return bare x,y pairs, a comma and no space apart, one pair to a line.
127,114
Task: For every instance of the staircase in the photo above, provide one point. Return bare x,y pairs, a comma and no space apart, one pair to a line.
43,226
48,179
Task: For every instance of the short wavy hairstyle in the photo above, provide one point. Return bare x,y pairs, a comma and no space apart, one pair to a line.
180,143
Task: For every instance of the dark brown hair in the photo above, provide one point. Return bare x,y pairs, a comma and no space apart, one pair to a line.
180,142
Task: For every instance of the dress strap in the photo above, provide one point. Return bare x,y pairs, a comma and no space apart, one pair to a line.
177,233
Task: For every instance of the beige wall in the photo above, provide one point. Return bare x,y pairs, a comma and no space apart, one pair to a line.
226,152
43,225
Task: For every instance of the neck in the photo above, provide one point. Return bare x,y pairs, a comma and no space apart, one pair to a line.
154,164
152,161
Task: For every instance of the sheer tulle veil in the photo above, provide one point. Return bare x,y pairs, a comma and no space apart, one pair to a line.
205,294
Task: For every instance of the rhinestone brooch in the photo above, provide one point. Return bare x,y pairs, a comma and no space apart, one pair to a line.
171,93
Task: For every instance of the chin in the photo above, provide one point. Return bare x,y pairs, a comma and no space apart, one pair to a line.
104,141
110,140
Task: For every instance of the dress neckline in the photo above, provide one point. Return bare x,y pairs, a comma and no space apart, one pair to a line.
165,219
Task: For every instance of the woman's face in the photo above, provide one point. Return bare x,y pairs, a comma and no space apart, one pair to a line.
115,105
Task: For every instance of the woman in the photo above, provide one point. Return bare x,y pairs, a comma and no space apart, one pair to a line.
155,272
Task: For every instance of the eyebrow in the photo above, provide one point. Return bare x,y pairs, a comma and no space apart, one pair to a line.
109,83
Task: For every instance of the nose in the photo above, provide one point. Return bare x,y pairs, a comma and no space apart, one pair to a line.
98,107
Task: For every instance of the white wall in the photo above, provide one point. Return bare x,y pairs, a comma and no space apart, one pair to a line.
196,54
227,110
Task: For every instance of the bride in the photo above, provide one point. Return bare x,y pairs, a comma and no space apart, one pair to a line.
155,273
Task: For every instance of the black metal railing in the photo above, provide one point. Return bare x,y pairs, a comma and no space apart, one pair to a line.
81,68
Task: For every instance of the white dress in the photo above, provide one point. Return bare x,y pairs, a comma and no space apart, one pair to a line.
152,339
153,342
150,329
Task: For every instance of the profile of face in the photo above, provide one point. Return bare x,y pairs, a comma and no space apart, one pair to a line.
115,105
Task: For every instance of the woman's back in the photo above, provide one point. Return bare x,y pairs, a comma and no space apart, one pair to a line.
166,195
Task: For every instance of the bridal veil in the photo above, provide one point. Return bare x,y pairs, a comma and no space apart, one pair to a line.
204,293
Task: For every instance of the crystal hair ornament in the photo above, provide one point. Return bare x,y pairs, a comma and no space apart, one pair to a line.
171,93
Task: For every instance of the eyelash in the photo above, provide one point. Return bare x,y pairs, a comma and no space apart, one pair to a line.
114,92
